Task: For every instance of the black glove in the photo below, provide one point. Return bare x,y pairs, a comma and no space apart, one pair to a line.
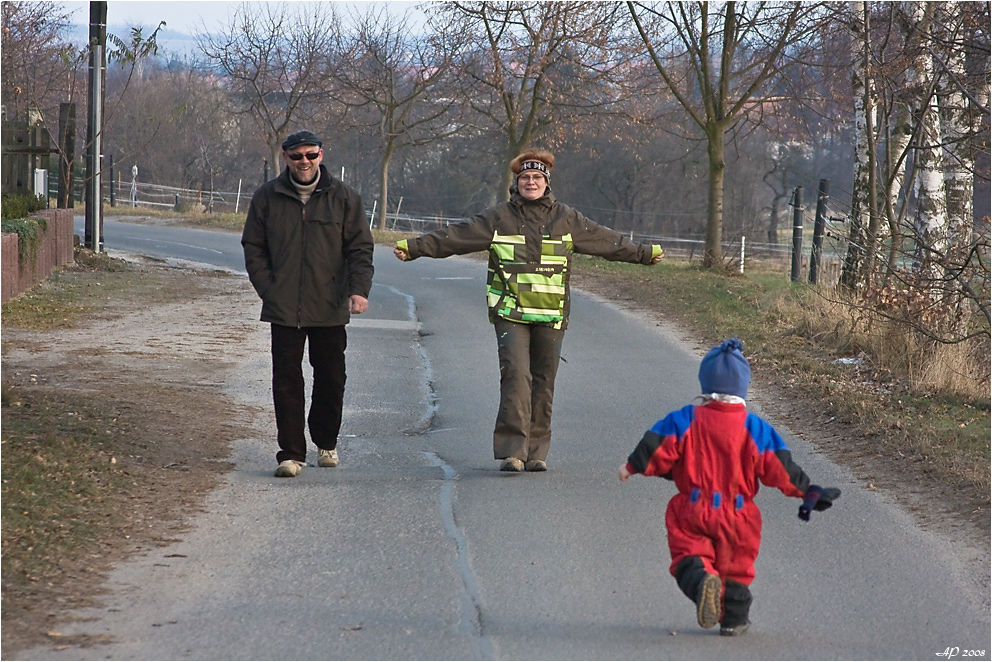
817,498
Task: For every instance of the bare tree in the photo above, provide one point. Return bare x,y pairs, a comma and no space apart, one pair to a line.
899,127
177,129
536,66
957,36
931,202
718,59
37,58
42,69
276,59
783,160
401,80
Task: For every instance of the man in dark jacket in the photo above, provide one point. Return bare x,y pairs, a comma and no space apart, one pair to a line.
308,252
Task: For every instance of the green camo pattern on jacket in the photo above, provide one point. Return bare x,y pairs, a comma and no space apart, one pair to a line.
526,292
530,245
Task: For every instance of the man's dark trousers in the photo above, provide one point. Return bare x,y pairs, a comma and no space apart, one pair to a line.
326,347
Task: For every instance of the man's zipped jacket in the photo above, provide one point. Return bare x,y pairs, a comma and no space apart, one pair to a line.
305,261
530,244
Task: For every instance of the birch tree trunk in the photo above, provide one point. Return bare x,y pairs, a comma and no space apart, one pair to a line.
931,205
896,165
854,262
960,126
899,139
959,162
871,143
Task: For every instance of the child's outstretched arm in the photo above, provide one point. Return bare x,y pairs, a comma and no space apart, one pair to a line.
776,468
779,470
658,450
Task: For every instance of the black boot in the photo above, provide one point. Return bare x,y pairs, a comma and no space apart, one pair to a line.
702,588
736,607
689,574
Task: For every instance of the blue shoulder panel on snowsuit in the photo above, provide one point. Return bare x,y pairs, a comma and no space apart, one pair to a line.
676,423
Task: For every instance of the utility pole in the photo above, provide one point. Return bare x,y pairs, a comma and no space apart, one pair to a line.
94,126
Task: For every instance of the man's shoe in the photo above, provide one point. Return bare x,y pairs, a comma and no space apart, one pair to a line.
708,601
734,630
288,469
511,464
327,457
537,465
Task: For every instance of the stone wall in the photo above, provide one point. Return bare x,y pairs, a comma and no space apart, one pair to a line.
54,250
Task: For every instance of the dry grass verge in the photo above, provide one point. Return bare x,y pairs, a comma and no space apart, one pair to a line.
108,444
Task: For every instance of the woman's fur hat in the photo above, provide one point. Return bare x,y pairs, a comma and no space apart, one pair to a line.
534,159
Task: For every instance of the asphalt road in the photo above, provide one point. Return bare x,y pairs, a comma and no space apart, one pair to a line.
222,249
416,547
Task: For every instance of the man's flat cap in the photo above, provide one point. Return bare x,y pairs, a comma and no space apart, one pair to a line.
301,137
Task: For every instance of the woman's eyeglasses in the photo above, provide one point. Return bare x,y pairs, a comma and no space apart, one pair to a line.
312,156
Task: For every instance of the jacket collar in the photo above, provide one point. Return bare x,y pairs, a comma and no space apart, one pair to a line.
547,200
285,183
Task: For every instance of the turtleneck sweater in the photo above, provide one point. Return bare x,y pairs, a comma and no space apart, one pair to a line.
305,190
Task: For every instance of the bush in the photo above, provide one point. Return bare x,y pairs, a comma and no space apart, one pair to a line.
29,231
20,206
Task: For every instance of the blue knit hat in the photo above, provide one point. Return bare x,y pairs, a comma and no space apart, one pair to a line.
725,370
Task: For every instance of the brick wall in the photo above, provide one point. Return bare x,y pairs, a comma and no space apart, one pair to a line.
55,250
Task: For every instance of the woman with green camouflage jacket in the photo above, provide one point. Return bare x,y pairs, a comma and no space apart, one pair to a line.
530,240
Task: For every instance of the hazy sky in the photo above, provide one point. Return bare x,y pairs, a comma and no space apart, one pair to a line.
180,15
184,16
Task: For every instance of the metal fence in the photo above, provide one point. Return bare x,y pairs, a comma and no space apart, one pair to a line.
123,194
138,194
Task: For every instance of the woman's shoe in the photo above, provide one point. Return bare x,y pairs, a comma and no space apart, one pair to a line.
536,465
511,464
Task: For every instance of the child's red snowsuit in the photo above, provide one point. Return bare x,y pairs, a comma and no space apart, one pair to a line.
717,453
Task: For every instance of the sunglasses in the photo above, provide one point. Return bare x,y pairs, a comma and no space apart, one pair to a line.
312,156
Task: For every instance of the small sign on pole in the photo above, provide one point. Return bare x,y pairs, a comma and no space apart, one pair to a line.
134,186
41,183
797,234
